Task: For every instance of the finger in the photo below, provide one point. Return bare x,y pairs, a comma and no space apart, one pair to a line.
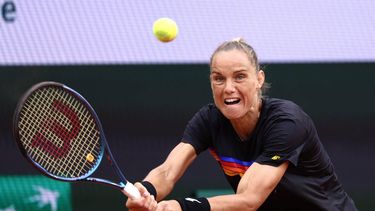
153,203
164,206
136,203
143,191
145,202
160,206
149,203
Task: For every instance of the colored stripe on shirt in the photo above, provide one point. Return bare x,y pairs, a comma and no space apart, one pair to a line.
231,166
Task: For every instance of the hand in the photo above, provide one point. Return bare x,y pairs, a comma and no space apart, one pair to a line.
171,205
147,202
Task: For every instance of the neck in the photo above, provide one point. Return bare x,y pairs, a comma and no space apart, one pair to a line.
245,125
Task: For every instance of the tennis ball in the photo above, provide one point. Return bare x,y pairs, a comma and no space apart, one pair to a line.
165,29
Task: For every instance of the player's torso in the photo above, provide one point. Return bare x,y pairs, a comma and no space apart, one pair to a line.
295,191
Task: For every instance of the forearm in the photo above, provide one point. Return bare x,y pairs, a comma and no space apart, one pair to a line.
163,183
234,202
225,202
253,189
165,176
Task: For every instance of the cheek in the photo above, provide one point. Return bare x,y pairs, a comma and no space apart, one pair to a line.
216,91
254,85
249,91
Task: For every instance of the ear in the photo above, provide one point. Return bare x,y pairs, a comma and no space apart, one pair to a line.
261,78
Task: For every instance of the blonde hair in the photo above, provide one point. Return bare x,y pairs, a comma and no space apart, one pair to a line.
240,44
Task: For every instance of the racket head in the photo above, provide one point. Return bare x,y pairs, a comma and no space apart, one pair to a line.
58,131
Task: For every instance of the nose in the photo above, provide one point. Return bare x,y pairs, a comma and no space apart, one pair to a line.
229,87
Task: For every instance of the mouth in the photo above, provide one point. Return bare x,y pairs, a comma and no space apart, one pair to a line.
231,101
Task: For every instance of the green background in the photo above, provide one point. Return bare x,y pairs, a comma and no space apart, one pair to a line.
21,193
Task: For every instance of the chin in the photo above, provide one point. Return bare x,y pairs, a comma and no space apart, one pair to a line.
232,114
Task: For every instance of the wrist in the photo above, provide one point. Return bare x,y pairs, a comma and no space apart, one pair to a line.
194,204
150,188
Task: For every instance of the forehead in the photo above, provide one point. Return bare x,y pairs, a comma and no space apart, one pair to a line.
232,59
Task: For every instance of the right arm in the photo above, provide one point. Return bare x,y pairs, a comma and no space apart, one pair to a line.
165,176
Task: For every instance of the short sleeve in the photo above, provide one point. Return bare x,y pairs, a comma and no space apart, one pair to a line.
197,132
284,141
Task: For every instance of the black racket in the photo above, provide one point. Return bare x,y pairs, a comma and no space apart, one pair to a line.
59,132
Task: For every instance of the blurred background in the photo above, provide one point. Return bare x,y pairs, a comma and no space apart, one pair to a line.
320,54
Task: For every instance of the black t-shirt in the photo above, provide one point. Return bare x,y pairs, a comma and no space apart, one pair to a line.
283,133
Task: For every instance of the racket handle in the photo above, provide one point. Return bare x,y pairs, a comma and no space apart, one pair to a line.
131,191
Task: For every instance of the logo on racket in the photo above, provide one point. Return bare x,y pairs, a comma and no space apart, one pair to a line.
65,135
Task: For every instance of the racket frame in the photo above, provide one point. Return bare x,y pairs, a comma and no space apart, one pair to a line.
125,186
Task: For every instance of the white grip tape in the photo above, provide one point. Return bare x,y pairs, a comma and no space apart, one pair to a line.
131,191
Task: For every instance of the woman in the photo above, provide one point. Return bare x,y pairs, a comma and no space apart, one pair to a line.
268,148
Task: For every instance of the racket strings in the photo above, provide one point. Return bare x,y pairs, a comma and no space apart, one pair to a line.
59,133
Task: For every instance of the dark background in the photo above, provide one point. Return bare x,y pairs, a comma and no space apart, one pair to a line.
144,109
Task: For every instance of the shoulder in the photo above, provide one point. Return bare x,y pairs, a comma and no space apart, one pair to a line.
281,108
208,116
208,108
209,112
280,111
199,130
280,104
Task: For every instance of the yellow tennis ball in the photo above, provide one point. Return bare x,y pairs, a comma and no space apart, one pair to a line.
165,29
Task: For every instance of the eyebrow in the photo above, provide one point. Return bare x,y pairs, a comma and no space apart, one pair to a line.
216,72
239,71
235,72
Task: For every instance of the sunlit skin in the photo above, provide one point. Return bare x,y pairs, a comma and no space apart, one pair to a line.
235,85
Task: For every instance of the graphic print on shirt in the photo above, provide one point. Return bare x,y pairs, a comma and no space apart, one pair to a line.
231,166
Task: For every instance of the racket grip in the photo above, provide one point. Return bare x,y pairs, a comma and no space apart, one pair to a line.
131,191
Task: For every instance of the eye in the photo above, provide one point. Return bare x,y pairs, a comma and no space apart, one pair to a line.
240,77
218,79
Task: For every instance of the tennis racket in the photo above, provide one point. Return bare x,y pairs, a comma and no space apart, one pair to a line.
58,131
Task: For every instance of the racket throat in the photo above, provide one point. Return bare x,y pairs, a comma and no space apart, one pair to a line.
120,185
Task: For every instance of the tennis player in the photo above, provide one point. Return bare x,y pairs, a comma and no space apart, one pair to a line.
268,148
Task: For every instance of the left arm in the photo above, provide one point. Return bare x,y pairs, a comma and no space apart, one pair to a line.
254,188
